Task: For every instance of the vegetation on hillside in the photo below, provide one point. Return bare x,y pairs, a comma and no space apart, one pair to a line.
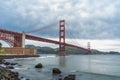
1,50
69,50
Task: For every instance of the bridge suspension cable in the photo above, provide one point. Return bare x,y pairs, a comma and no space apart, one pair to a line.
42,28
71,35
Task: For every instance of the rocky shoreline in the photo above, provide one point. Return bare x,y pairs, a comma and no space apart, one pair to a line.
6,72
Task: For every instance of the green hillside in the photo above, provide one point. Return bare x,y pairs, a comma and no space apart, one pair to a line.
69,50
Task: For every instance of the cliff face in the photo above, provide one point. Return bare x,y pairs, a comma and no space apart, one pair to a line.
69,50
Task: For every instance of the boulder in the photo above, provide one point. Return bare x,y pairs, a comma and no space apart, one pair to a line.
13,63
2,61
39,65
56,71
7,63
70,77
9,67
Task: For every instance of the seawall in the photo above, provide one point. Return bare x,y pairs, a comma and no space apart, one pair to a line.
16,56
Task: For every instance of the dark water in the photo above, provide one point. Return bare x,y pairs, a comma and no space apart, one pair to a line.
86,67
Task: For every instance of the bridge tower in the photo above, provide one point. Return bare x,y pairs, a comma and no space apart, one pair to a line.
89,49
62,37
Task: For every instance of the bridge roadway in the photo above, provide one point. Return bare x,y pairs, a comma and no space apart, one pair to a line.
36,38
50,41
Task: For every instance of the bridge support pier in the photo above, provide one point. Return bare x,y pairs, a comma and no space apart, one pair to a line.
23,40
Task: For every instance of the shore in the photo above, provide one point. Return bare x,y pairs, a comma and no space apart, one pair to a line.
6,72
16,56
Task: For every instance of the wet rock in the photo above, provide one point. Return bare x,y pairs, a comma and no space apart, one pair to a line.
39,65
2,61
13,63
7,63
70,77
7,74
21,78
56,71
9,67
60,79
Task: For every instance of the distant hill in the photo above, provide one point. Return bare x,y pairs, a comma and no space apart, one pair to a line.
43,50
69,50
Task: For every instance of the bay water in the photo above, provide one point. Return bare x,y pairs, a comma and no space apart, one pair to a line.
85,67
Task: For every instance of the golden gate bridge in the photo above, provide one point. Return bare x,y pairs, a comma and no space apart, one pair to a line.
17,39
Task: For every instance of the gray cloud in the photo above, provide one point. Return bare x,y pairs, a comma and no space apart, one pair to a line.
88,19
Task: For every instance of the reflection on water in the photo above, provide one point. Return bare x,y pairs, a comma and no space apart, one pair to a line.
62,61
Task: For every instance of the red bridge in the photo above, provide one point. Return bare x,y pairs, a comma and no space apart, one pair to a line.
16,39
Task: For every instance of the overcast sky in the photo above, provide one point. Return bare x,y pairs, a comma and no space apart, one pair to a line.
85,19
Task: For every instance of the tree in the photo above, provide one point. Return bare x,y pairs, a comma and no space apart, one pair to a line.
1,51
0,45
